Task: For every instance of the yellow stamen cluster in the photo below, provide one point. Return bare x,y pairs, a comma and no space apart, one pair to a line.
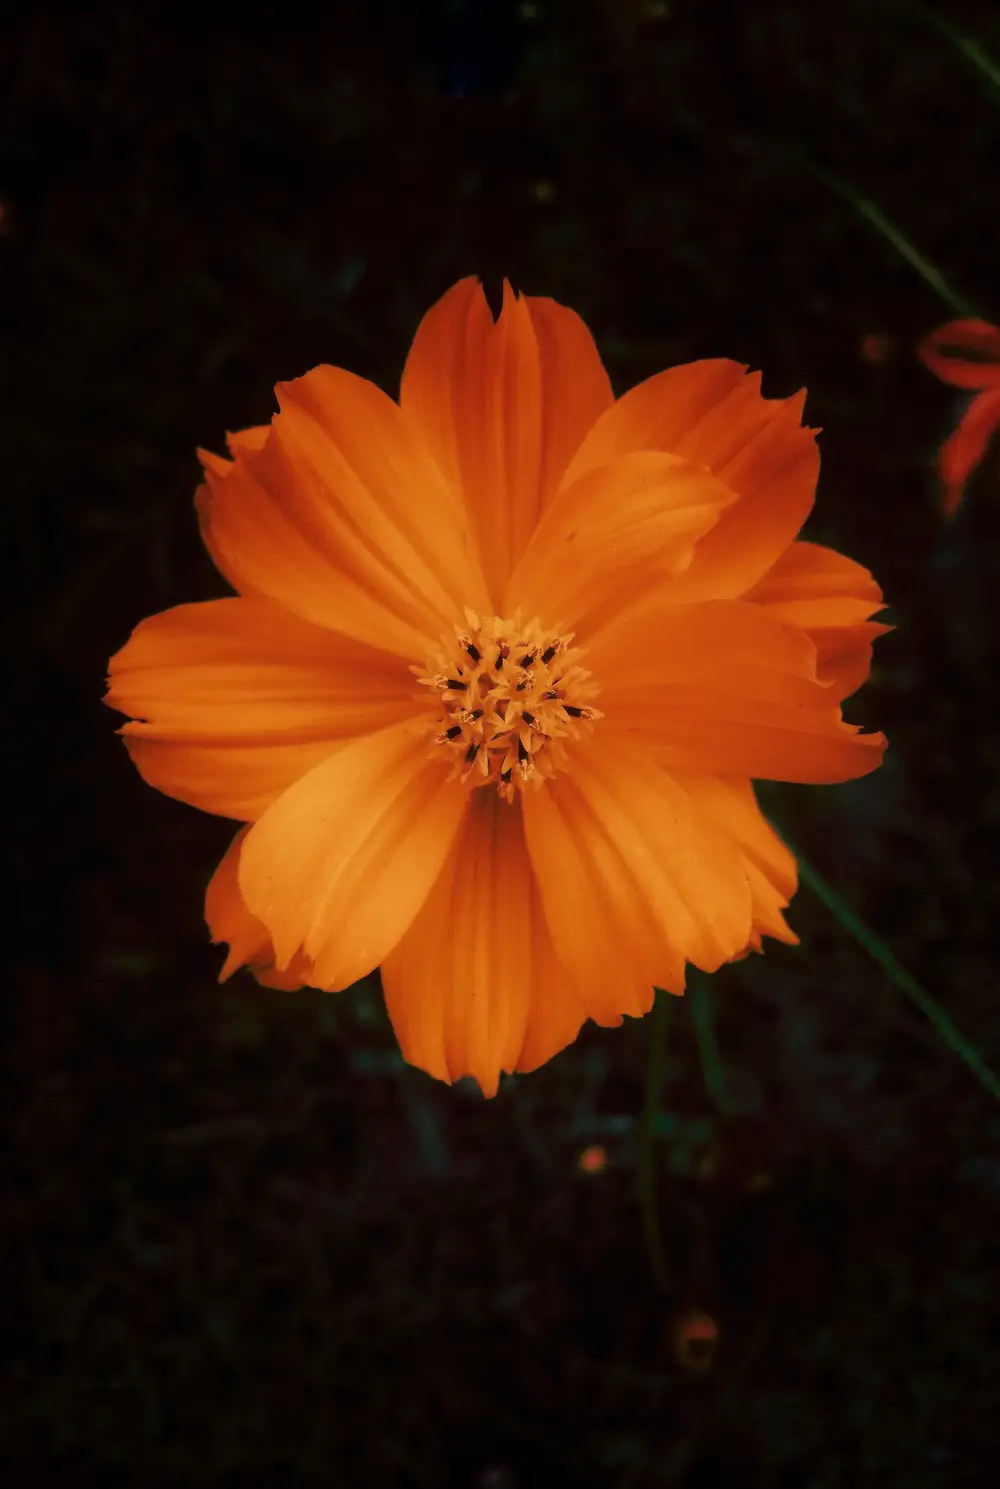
508,695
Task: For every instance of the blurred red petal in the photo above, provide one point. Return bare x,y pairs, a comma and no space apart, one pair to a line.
963,353
965,449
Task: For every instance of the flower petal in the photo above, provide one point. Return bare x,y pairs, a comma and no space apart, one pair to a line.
343,517
636,518
713,414
726,688
473,988
576,389
254,438
228,917
238,783
239,697
340,864
660,413
770,867
243,440
831,597
556,1009
502,405
249,943
844,655
966,447
964,353
634,877
810,585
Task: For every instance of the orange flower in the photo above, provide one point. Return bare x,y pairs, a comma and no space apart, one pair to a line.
503,660
967,355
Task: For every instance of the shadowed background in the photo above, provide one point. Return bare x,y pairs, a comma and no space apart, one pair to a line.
246,1244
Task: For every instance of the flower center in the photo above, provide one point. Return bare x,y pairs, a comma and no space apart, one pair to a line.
508,693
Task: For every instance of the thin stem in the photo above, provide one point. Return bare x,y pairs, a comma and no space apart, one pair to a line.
646,1169
700,1002
967,45
897,974
892,235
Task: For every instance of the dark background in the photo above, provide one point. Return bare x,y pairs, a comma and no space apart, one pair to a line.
244,1244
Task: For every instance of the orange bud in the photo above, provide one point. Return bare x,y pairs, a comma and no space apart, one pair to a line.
695,1338
593,1159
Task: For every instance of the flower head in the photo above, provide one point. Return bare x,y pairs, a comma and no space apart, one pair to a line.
502,663
967,355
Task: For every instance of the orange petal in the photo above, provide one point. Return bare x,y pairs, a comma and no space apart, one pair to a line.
238,698
576,390
254,438
238,444
237,783
472,988
502,405
815,586
660,413
217,464
963,451
712,414
340,864
344,518
636,519
770,867
964,353
635,879
726,688
228,917
844,655
556,1008
229,920
831,597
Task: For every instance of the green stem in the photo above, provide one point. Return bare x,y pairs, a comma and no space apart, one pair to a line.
899,242
646,1169
897,973
700,1002
969,47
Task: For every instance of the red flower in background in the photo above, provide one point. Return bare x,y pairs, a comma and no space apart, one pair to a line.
967,355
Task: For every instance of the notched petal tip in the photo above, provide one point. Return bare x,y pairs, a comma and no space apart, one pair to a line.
864,755
239,442
215,465
509,296
229,920
246,441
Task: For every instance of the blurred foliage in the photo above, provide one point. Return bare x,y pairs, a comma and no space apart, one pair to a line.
245,1243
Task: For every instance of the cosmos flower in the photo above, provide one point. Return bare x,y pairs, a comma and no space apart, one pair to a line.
502,663
966,354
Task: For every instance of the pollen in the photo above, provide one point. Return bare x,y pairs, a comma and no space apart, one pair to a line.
508,694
